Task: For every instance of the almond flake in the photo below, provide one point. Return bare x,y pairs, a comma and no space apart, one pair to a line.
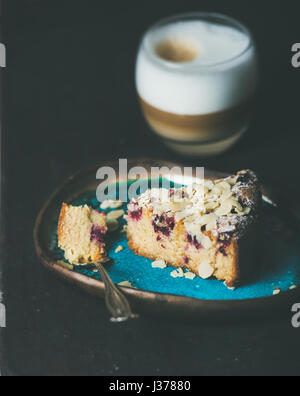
125,284
205,241
211,226
115,215
225,208
189,275
119,249
211,206
159,264
110,204
217,190
223,185
209,184
232,180
205,270
177,273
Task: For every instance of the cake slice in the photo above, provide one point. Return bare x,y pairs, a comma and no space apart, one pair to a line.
210,229
81,232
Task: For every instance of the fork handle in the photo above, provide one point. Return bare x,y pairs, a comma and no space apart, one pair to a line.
116,302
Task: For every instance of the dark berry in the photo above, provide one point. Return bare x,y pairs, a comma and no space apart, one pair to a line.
193,241
97,233
163,224
136,215
185,260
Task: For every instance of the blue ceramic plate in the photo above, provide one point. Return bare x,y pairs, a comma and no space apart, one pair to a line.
280,268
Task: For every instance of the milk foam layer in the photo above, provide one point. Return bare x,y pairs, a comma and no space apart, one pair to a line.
222,75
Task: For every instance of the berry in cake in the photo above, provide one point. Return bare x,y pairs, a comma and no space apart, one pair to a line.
81,231
210,229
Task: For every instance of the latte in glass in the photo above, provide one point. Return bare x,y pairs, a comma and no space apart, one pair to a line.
196,76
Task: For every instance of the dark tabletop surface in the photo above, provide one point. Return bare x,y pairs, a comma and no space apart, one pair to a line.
70,102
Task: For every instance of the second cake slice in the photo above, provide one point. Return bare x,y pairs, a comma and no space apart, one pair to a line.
81,231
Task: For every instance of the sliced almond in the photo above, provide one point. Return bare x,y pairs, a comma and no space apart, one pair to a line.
110,204
217,190
178,206
180,216
205,270
226,195
125,284
177,273
211,226
193,228
189,275
161,264
238,207
205,241
115,215
208,218
225,208
224,186
211,206
232,180
209,184
119,249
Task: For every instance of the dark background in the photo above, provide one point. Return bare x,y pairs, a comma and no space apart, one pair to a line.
69,102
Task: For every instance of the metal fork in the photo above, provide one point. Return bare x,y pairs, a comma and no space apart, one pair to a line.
116,302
